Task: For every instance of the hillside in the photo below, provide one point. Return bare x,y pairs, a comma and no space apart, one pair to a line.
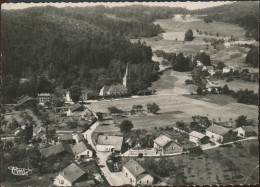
245,14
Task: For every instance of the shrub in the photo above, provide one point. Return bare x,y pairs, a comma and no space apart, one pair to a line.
114,110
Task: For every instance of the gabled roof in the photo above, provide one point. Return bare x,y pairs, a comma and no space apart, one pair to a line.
75,107
105,88
162,140
24,100
80,147
72,172
39,129
218,130
111,140
56,149
134,168
197,134
79,136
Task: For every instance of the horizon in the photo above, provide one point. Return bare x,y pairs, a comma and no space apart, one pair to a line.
187,5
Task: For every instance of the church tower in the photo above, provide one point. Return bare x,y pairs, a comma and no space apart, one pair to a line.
126,76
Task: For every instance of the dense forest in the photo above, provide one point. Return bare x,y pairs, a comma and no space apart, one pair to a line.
245,14
90,46
76,46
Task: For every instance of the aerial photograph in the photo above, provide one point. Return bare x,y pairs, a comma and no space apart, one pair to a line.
129,94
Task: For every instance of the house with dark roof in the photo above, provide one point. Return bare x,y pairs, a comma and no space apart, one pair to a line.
76,109
198,138
39,132
109,143
220,134
113,90
82,150
165,145
136,174
24,102
71,175
58,149
246,131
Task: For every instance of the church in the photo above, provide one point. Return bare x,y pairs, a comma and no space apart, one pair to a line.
118,89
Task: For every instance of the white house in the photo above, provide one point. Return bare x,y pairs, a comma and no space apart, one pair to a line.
227,44
38,131
109,143
68,99
199,63
136,174
246,131
226,70
82,151
70,175
198,138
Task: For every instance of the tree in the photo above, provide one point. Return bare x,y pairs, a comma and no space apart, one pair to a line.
137,107
72,123
241,121
180,125
43,85
114,110
213,91
225,89
220,65
152,108
252,56
188,35
126,126
140,155
100,116
199,90
75,93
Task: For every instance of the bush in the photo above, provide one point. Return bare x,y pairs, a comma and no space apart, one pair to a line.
114,110
229,79
152,108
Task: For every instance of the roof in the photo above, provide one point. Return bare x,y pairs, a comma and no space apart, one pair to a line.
23,100
218,130
65,137
75,107
80,147
134,168
72,172
86,183
197,134
55,149
38,129
111,140
44,95
117,88
162,140
209,67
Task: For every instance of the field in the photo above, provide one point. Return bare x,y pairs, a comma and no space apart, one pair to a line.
215,166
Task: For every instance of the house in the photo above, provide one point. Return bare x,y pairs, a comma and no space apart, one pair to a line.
60,149
212,85
227,45
44,98
246,131
76,109
220,134
71,175
136,174
198,138
189,147
226,70
82,150
39,132
210,70
164,145
109,143
18,131
199,63
78,137
61,110
23,80
86,95
66,138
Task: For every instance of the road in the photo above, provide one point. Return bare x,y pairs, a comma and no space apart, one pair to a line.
115,178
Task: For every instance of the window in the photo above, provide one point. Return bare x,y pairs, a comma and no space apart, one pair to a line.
140,182
172,147
62,181
147,181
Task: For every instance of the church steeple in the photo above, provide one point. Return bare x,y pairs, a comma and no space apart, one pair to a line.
125,76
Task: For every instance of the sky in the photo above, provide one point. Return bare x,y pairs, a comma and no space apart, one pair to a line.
188,5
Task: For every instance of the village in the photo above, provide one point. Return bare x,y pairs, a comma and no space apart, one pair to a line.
145,96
